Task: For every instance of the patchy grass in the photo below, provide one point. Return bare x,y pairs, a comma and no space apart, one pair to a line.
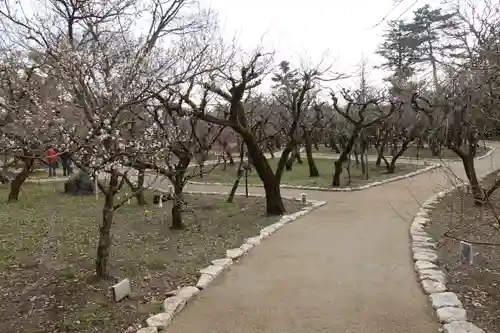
300,174
411,152
456,218
47,246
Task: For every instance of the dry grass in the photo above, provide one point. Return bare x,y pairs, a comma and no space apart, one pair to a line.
47,246
300,174
456,218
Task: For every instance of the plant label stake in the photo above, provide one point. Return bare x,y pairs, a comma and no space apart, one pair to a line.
96,188
160,203
303,198
121,290
466,252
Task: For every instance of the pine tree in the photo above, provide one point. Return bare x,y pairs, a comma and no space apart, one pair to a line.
401,50
430,27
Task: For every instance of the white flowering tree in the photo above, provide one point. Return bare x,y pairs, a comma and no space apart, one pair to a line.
184,138
105,68
29,121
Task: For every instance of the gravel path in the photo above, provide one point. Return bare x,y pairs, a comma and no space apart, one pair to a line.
346,267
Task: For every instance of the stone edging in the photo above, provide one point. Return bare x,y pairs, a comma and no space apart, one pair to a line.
343,189
412,159
175,304
488,153
449,309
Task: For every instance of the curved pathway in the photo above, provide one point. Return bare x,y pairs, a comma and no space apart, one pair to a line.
344,268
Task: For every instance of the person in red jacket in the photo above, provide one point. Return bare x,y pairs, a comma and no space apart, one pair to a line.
51,158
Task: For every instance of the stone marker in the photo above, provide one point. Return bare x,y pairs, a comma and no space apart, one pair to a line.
461,327
447,315
121,290
303,198
467,254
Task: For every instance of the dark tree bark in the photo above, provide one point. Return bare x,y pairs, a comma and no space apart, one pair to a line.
313,170
178,183
391,166
104,244
274,202
20,178
236,183
344,156
139,193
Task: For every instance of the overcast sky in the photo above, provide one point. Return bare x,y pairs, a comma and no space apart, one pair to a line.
343,30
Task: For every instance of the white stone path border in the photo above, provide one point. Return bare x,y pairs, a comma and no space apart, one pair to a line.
432,164
340,189
175,304
449,309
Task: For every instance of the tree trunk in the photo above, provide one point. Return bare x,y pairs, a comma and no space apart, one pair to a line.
297,155
19,179
140,197
434,148
391,167
177,223
313,170
274,202
104,245
343,158
178,182
333,145
236,183
470,171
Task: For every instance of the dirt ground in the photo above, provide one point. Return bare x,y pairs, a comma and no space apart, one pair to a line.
478,285
47,246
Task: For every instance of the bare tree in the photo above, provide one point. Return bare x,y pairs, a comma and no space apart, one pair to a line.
105,70
232,84
360,115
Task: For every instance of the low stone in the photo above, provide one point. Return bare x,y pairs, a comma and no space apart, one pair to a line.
446,299
432,287
428,245
277,226
246,247
187,292
254,240
80,184
447,315
234,253
225,262
421,238
426,256
121,290
421,220
213,270
162,320
148,330
432,274
461,327
422,265
175,304
417,230
204,281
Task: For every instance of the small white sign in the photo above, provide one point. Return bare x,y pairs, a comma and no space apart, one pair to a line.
467,253
303,198
121,290
160,203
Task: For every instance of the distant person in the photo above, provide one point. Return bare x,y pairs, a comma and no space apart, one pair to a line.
67,164
51,158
